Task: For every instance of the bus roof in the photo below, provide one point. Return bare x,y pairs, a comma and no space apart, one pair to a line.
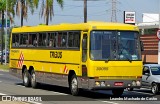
93,25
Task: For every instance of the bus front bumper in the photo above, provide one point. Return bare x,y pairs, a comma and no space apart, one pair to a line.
95,84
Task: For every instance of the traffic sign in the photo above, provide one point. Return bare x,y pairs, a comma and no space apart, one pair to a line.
8,23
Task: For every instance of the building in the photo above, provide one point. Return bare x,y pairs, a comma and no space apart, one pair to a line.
148,29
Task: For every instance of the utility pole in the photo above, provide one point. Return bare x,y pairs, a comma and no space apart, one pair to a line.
2,32
114,11
85,11
6,54
85,8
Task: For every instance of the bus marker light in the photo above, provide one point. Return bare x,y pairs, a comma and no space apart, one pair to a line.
133,83
108,85
103,83
97,83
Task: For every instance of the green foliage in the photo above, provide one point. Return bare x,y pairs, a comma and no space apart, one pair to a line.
4,67
47,9
22,7
2,5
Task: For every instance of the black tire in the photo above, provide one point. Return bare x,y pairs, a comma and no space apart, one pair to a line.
130,89
73,85
33,79
26,78
117,92
154,88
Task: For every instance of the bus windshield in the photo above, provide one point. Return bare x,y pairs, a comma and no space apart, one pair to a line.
114,45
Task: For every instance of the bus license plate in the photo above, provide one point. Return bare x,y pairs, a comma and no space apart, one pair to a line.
118,83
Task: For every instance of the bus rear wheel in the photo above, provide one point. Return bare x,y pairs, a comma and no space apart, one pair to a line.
74,85
26,78
117,92
33,79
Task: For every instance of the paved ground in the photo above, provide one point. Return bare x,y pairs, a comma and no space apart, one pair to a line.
10,85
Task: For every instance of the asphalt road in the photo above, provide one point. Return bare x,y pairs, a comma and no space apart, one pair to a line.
49,94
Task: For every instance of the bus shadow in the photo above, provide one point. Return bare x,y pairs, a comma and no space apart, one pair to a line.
64,90
86,95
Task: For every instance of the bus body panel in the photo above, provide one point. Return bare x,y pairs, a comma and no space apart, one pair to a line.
115,68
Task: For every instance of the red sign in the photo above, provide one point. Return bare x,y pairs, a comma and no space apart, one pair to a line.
118,83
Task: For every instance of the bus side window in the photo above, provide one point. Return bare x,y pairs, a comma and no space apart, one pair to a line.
64,39
15,40
52,39
42,41
84,48
35,42
74,39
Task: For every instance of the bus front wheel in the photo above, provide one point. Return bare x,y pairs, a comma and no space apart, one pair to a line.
33,79
26,78
117,92
74,85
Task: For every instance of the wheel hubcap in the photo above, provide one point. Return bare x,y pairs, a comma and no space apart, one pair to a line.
33,77
154,89
74,84
25,78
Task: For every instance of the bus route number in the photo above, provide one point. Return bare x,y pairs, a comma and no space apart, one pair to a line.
55,54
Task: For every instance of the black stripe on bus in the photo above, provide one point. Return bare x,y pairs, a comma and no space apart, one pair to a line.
48,62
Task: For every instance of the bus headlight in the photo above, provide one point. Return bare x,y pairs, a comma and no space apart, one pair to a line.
100,83
97,83
138,83
103,83
133,83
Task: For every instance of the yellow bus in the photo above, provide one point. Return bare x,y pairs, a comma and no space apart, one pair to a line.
94,56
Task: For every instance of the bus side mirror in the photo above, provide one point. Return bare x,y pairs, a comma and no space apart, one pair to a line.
142,46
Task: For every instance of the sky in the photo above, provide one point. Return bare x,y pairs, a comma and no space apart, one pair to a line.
98,10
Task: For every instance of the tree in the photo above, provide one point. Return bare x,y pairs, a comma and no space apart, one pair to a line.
22,7
47,9
10,13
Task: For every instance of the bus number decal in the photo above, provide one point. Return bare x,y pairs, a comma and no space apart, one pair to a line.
55,54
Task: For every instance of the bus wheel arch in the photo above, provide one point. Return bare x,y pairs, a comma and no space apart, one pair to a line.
25,76
23,68
73,83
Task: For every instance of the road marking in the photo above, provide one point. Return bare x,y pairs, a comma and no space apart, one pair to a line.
110,102
60,93
33,102
0,81
20,85
1,74
141,92
2,94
